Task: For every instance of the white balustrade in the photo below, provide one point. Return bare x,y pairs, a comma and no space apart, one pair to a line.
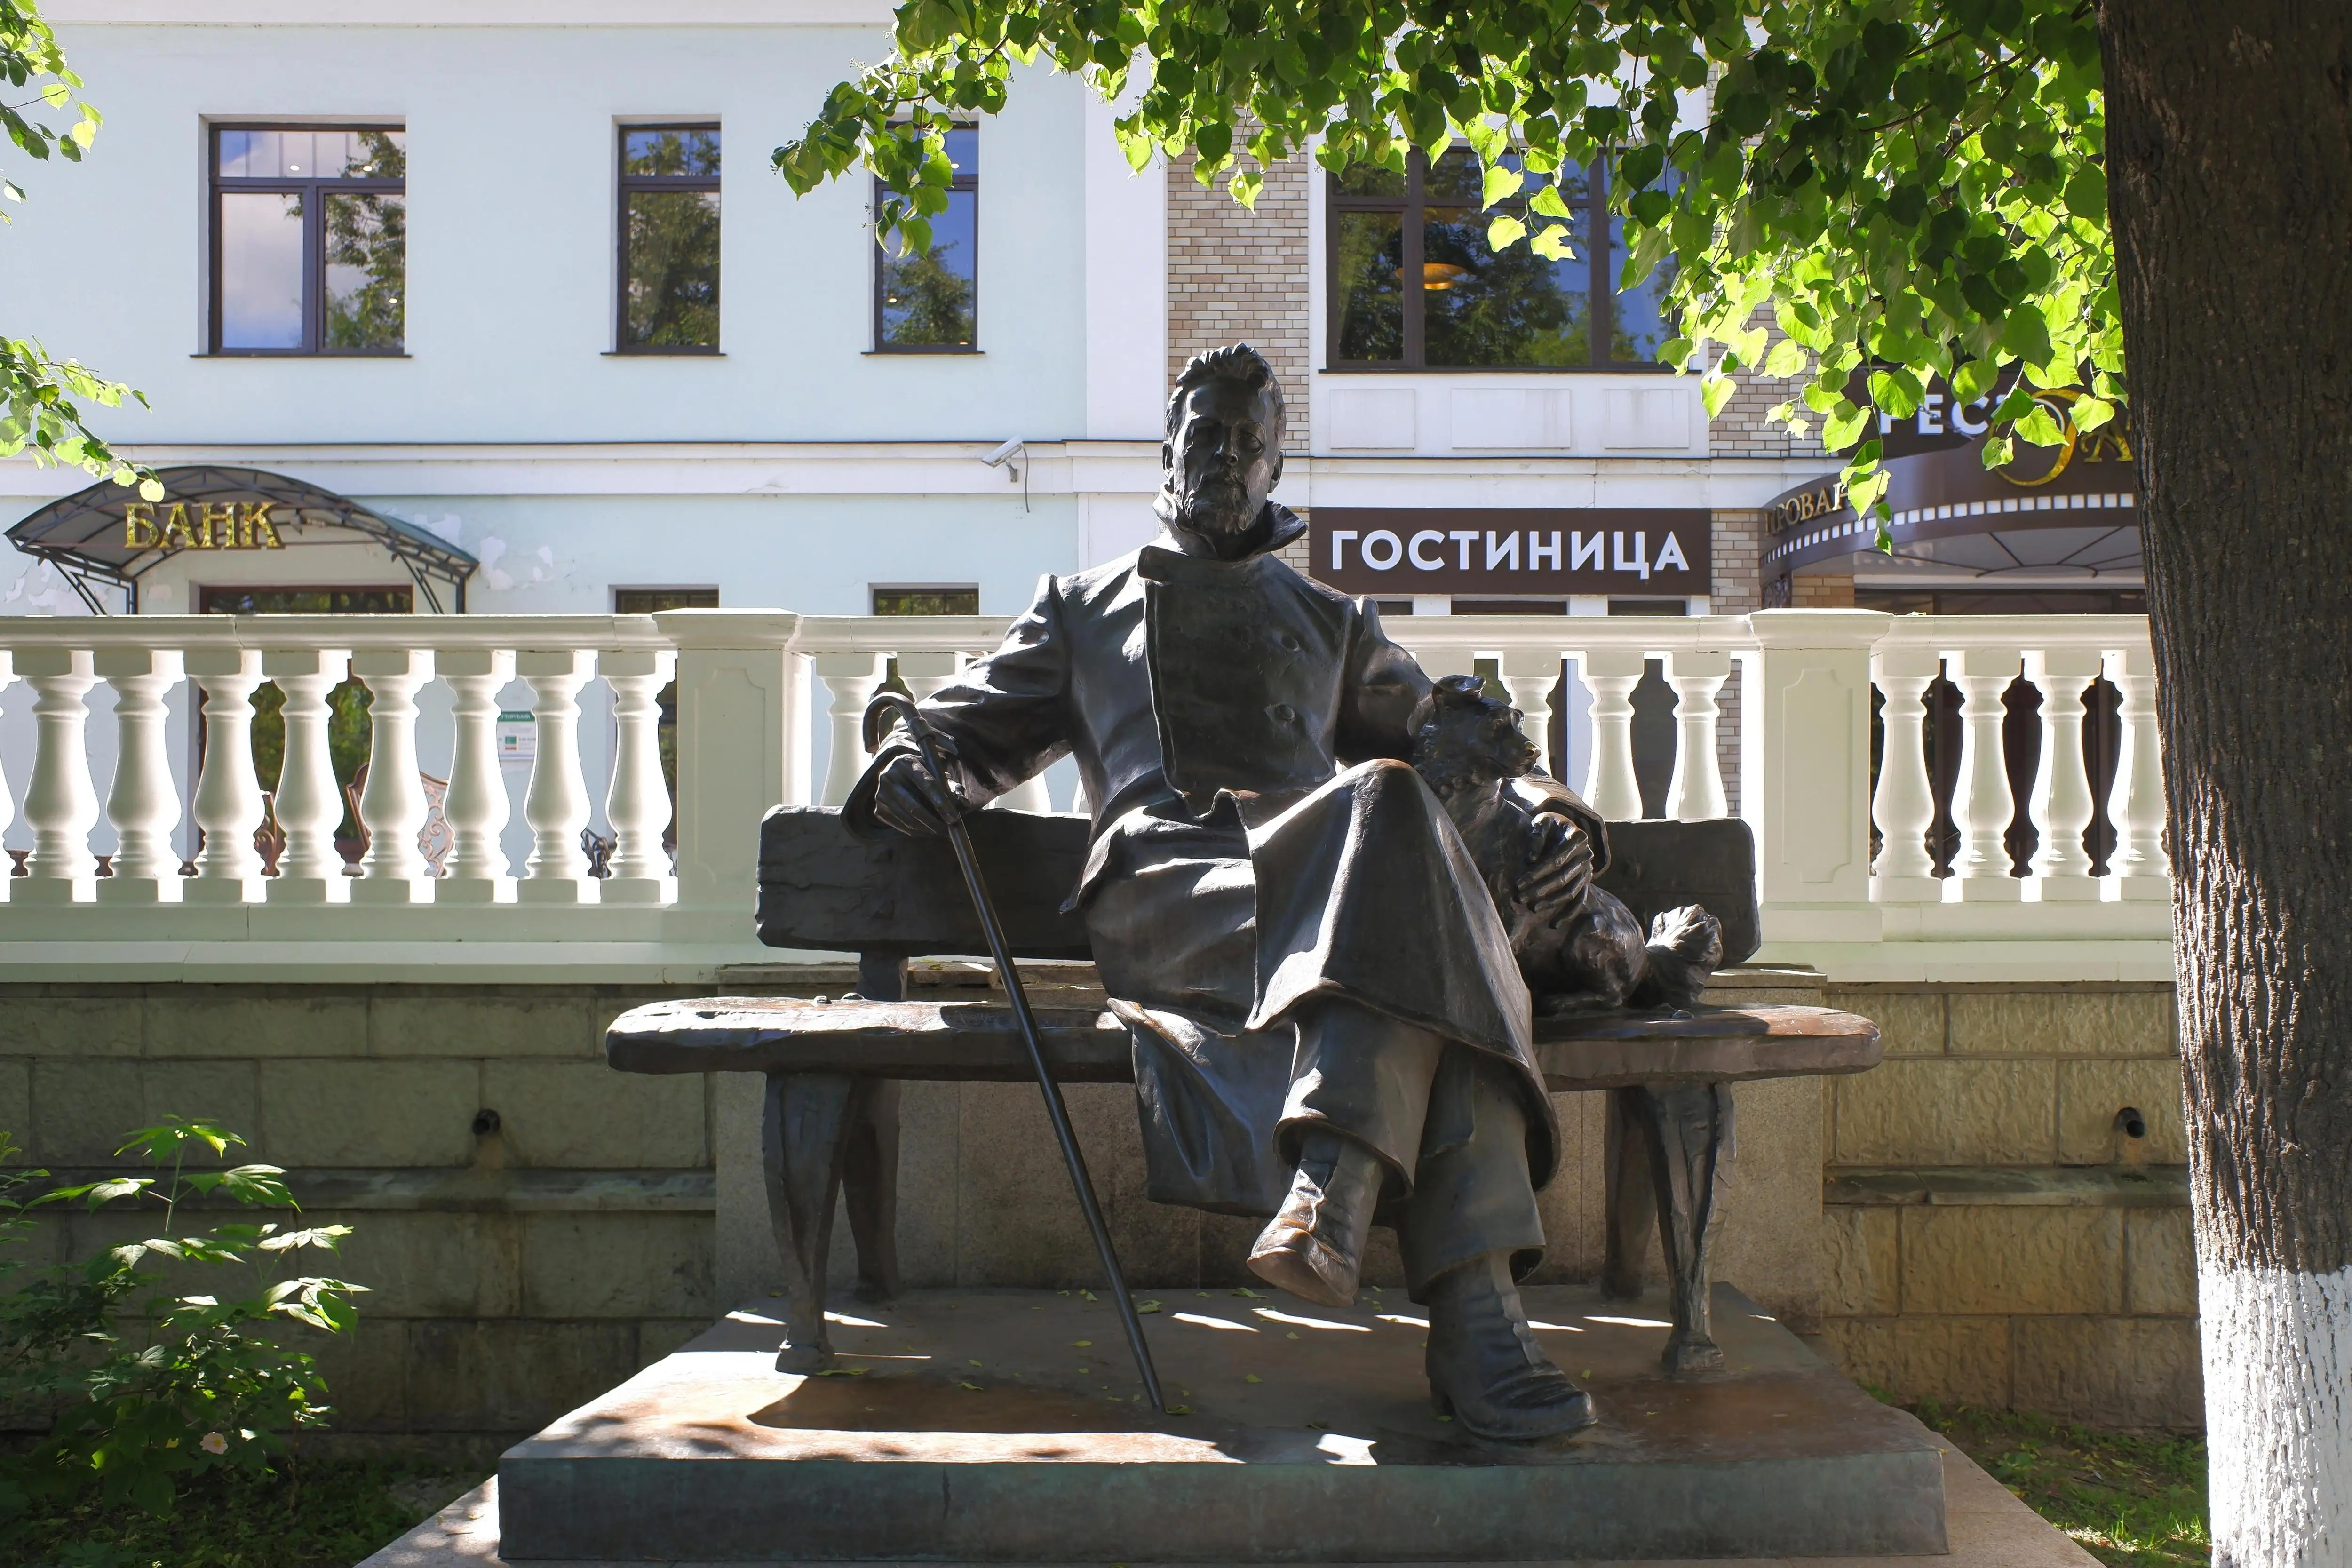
1611,786
556,804
747,730
2136,806
7,800
1529,674
307,805
1983,806
851,678
637,803
144,803
1904,806
1695,793
475,870
60,804
392,870
228,807
2063,808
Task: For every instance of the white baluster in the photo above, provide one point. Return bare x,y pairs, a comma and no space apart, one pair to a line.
392,802
851,678
1695,791
7,801
144,803
2136,804
2061,792
474,871
308,802
1610,786
1529,674
637,805
1982,804
556,804
1904,807
229,797
60,802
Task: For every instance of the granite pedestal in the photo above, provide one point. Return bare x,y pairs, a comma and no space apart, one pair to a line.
1007,1426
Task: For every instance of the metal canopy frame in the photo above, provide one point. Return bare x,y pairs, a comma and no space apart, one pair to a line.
83,535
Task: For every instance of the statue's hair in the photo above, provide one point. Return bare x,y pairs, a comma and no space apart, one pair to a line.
1238,363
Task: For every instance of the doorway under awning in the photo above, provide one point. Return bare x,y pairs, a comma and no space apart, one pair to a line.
107,536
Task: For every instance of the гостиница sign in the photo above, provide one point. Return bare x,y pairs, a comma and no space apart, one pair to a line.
1536,552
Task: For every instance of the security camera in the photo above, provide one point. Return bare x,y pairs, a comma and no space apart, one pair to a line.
996,459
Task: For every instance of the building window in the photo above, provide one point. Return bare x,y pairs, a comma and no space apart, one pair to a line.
309,230
1472,308
930,302
398,600
927,601
669,239
652,601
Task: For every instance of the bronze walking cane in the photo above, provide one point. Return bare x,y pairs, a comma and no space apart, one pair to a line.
1056,1111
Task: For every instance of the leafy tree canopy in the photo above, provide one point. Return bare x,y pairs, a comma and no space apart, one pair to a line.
37,412
1911,189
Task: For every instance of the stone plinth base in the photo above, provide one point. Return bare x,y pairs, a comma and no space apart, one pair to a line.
1007,1426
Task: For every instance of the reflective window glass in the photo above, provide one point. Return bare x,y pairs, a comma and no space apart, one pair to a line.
928,301
1367,280
311,239
687,153
670,296
261,270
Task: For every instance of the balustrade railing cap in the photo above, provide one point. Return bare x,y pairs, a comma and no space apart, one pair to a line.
1826,629
742,629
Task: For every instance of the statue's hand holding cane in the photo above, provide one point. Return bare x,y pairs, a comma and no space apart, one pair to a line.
910,798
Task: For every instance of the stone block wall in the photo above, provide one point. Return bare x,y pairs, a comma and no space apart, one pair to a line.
1239,274
1991,1236
531,1227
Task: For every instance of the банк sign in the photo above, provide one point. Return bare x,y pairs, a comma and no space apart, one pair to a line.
1515,551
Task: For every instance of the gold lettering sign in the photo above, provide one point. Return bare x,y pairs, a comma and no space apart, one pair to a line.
217,525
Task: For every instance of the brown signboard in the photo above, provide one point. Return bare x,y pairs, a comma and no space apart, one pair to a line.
1511,552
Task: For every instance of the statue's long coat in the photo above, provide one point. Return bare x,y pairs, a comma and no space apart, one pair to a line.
1258,840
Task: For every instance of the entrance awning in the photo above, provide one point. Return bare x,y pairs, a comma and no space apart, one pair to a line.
107,534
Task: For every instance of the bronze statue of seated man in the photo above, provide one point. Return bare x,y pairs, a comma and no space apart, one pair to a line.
1330,1020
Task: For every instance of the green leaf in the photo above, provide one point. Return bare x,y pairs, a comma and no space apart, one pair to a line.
2090,412
1547,203
1788,358
1843,430
1551,242
1504,231
1501,183
1715,392
1895,392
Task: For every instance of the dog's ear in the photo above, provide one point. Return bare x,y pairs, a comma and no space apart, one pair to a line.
1459,690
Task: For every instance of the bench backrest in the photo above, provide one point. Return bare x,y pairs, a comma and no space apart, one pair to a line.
903,898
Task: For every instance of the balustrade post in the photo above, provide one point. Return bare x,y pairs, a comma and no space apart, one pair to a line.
743,718
228,796
2061,786
143,802
2136,804
556,802
1904,873
7,801
392,802
851,678
1695,793
308,803
476,871
60,802
637,805
1804,783
1529,674
1610,787
1982,805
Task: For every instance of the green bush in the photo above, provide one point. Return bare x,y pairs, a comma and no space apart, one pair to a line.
152,1388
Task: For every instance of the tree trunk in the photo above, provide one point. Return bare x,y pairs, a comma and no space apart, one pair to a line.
2230,188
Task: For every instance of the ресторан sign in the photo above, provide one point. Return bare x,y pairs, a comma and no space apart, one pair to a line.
1511,551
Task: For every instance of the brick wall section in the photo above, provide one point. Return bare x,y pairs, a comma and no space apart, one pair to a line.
1822,591
2070,1290
1240,275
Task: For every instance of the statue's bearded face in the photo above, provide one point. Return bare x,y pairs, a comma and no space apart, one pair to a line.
1224,460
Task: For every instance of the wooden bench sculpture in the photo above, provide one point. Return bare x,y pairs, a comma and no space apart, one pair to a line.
833,1068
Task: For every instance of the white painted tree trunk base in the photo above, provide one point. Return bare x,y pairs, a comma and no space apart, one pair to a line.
2278,1415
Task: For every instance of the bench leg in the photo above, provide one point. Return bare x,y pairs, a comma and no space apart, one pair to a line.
1630,1202
804,1146
870,1183
1689,1132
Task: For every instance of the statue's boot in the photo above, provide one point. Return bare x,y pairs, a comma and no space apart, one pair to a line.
1486,1370
1313,1247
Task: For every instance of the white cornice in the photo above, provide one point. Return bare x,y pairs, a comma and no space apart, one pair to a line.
573,14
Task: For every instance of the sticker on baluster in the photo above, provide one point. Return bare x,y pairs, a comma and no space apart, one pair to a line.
518,737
